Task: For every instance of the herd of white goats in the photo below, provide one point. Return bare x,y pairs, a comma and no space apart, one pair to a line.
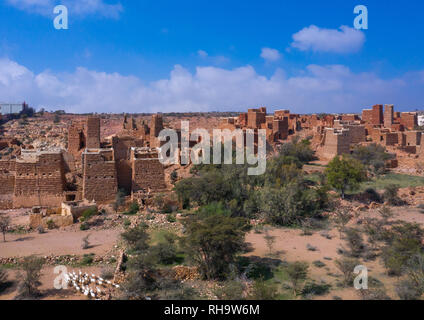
82,282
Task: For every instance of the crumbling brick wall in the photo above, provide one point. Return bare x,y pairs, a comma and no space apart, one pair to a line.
99,175
92,132
147,171
39,179
337,142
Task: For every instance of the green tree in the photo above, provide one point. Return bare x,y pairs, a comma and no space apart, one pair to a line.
4,225
213,239
31,277
347,267
345,174
298,273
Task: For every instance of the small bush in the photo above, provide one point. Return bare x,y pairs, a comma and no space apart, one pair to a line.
319,264
51,225
87,259
84,226
355,242
347,267
230,290
391,195
315,289
107,273
171,218
40,229
88,214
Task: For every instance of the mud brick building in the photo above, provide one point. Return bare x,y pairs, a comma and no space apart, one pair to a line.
147,171
83,134
36,178
388,116
100,181
336,142
373,116
409,120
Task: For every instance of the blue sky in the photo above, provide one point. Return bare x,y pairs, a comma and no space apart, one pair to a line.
148,56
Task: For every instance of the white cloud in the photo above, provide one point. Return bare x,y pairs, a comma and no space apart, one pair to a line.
270,55
202,53
345,40
333,88
215,60
75,7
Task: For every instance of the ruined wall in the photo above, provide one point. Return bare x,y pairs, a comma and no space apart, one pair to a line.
147,172
409,120
99,175
92,133
413,138
390,139
337,142
356,133
388,116
281,128
39,180
255,118
76,138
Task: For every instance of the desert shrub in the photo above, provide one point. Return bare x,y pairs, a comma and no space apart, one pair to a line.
107,273
319,264
127,223
50,224
407,290
133,209
390,195
372,195
171,218
354,241
88,214
263,291
84,226
40,229
298,149
386,213
315,289
403,241
230,290
347,267
87,259
164,253
170,289
31,267
341,218
373,294
373,157
297,273
137,238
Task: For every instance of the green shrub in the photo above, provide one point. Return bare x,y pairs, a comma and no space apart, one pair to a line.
88,214
87,259
84,226
315,289
50,224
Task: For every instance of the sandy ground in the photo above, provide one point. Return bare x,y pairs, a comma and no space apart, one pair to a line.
292,246
57,242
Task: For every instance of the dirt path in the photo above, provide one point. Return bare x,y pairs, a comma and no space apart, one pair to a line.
58,242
